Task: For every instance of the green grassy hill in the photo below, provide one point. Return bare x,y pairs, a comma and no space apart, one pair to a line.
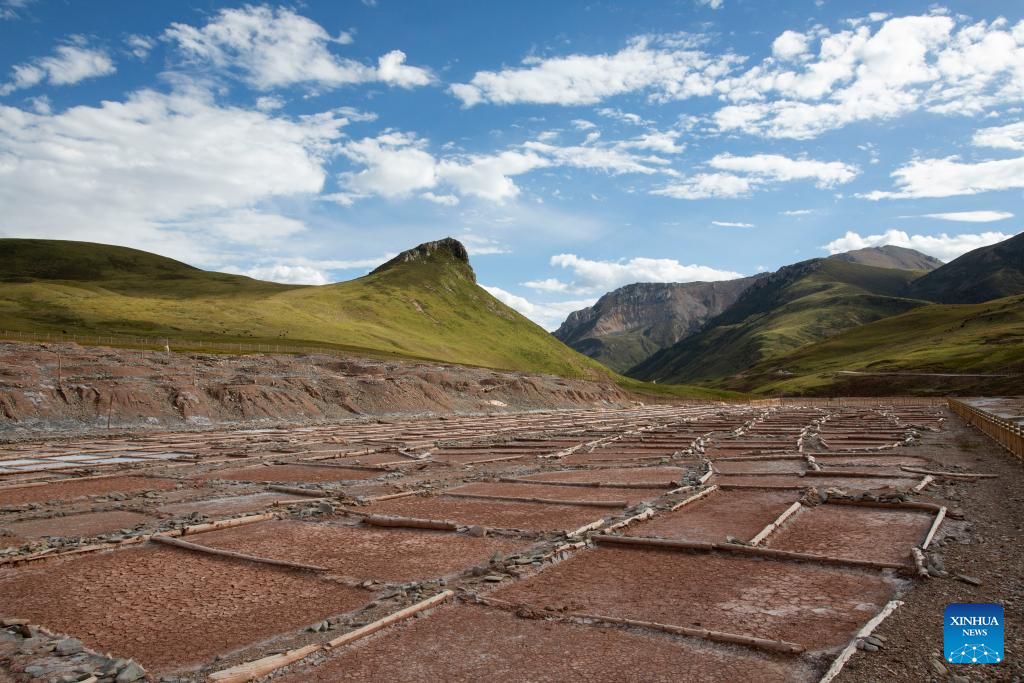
797,305
423,304
938,339
986,273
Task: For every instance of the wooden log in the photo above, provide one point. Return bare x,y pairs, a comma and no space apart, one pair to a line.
923,483
770,553
585,484
409,522
585,528
398,616
548,501
765,532
948,475
295,491
646,514
851,648
707,634
935,527
904,505
392,496
261,667
697,496
178,543
222,524
854,474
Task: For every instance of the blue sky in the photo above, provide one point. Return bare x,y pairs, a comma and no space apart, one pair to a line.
574,147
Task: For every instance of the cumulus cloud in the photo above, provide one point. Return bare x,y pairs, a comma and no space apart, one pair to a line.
739,175
174,173
657,64
709,186
713,4
950,177
140,46
272,48
547,315
292,275
68,64
790,45
1010,136
942,246
971,216
593,276
397,165
875,71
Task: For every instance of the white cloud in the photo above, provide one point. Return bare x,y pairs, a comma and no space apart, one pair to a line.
647,63
790,45
665,142
1005,137
730,224
709,186
590,276
971,216
442,199
797,212
776,167
713,4
757,170
623,116
547,315
177,174
396,165
944,247
270,48
583,124
68,65
932,62
140,46
269,103
478,245
293,275
550,284
951,177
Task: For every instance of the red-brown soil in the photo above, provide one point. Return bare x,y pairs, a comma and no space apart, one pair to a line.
292,473
169,608
85,525
496,514
69,488
554,492
758,466
818,607
853,532
469,643
668,476
381,554
741,514
230,505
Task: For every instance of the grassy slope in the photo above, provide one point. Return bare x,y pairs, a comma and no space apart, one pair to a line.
429,309
799,305
965,338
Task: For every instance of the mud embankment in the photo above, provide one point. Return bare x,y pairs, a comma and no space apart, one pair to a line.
66,387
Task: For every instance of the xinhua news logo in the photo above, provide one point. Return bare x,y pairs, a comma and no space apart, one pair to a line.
973,633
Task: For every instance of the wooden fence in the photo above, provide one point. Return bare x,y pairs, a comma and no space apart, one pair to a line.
1009,435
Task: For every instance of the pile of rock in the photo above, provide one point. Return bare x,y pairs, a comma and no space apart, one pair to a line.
31,653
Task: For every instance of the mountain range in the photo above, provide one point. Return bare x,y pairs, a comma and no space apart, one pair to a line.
815,327
865,311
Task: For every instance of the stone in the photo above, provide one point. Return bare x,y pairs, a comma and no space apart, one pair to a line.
477,531
972,580
69,646
869,647
325,508
872,640
938,667
131,672
494,578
